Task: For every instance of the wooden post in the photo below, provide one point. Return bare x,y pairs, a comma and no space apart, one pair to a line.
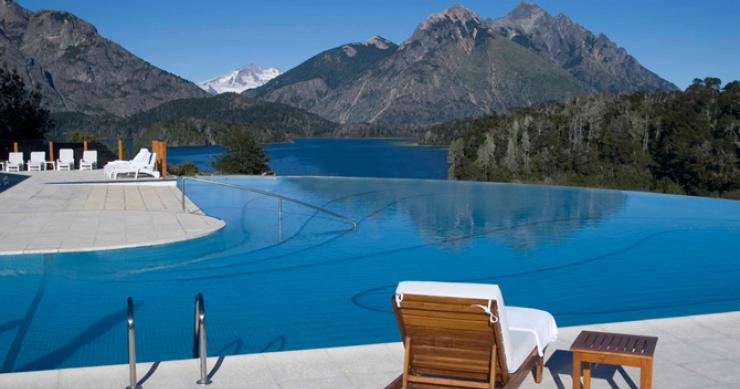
120,149
15,147
163,148
51,151
84,145
155,149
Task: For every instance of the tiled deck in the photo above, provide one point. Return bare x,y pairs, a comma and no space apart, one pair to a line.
693,352
39,217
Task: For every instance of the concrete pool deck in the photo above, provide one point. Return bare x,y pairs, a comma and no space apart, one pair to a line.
693,352
38,215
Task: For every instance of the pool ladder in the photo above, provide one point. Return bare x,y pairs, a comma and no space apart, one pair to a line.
200,349
131,330
199,339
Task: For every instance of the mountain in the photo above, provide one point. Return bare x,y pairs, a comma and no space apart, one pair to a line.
317,83
76,69
455,65
238,80
593,59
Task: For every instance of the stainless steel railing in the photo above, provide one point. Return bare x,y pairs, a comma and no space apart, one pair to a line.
200,349
279,197
131,330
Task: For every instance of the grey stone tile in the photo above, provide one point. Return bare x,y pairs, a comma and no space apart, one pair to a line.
30,380
376,380
93,377
363,360
316,383
723,371
305,365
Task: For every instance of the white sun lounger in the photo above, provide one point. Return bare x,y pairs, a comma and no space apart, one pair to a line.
89,160
461,333
141,158
37,162
15,162
66,159
134,169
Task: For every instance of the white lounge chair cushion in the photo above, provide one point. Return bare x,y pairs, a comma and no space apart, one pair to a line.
15,158
521,345
539,323
90,156
113,167
533,327
38,157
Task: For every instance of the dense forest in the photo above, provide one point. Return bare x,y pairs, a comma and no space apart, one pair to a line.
21,114
199,121
674,142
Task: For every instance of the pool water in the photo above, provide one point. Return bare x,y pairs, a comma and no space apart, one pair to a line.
7,181
307,280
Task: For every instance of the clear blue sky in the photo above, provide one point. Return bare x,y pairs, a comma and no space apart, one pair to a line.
677,39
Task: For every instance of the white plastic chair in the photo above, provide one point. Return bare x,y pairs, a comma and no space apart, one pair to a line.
141,158
89,160
135,168
66,159
37,162
15,162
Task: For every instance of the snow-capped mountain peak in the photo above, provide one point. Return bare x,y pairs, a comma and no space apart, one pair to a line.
238,80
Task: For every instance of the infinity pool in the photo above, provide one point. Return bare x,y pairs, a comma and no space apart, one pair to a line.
307,280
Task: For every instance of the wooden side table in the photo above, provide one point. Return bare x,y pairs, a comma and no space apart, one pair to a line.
613,349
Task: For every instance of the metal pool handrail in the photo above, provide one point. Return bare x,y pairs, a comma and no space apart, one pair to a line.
200,349
269,194
131,329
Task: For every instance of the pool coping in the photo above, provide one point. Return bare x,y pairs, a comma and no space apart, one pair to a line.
153,243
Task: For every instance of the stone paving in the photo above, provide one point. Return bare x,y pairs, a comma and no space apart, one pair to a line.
693,352
39,216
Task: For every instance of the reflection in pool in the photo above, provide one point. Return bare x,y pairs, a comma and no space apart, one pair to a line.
307,280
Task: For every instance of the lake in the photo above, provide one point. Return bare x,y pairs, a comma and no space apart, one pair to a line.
336,157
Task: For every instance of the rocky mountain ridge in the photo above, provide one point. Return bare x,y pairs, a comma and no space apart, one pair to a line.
591,58
456,64
77,69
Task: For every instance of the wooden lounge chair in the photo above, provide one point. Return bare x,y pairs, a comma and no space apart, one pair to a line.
461,336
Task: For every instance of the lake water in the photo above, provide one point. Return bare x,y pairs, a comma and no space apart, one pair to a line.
336,157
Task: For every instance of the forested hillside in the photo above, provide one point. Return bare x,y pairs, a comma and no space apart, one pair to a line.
200,121
674,142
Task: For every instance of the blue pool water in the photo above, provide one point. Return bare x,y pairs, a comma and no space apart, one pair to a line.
336,157
309,281
7,181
